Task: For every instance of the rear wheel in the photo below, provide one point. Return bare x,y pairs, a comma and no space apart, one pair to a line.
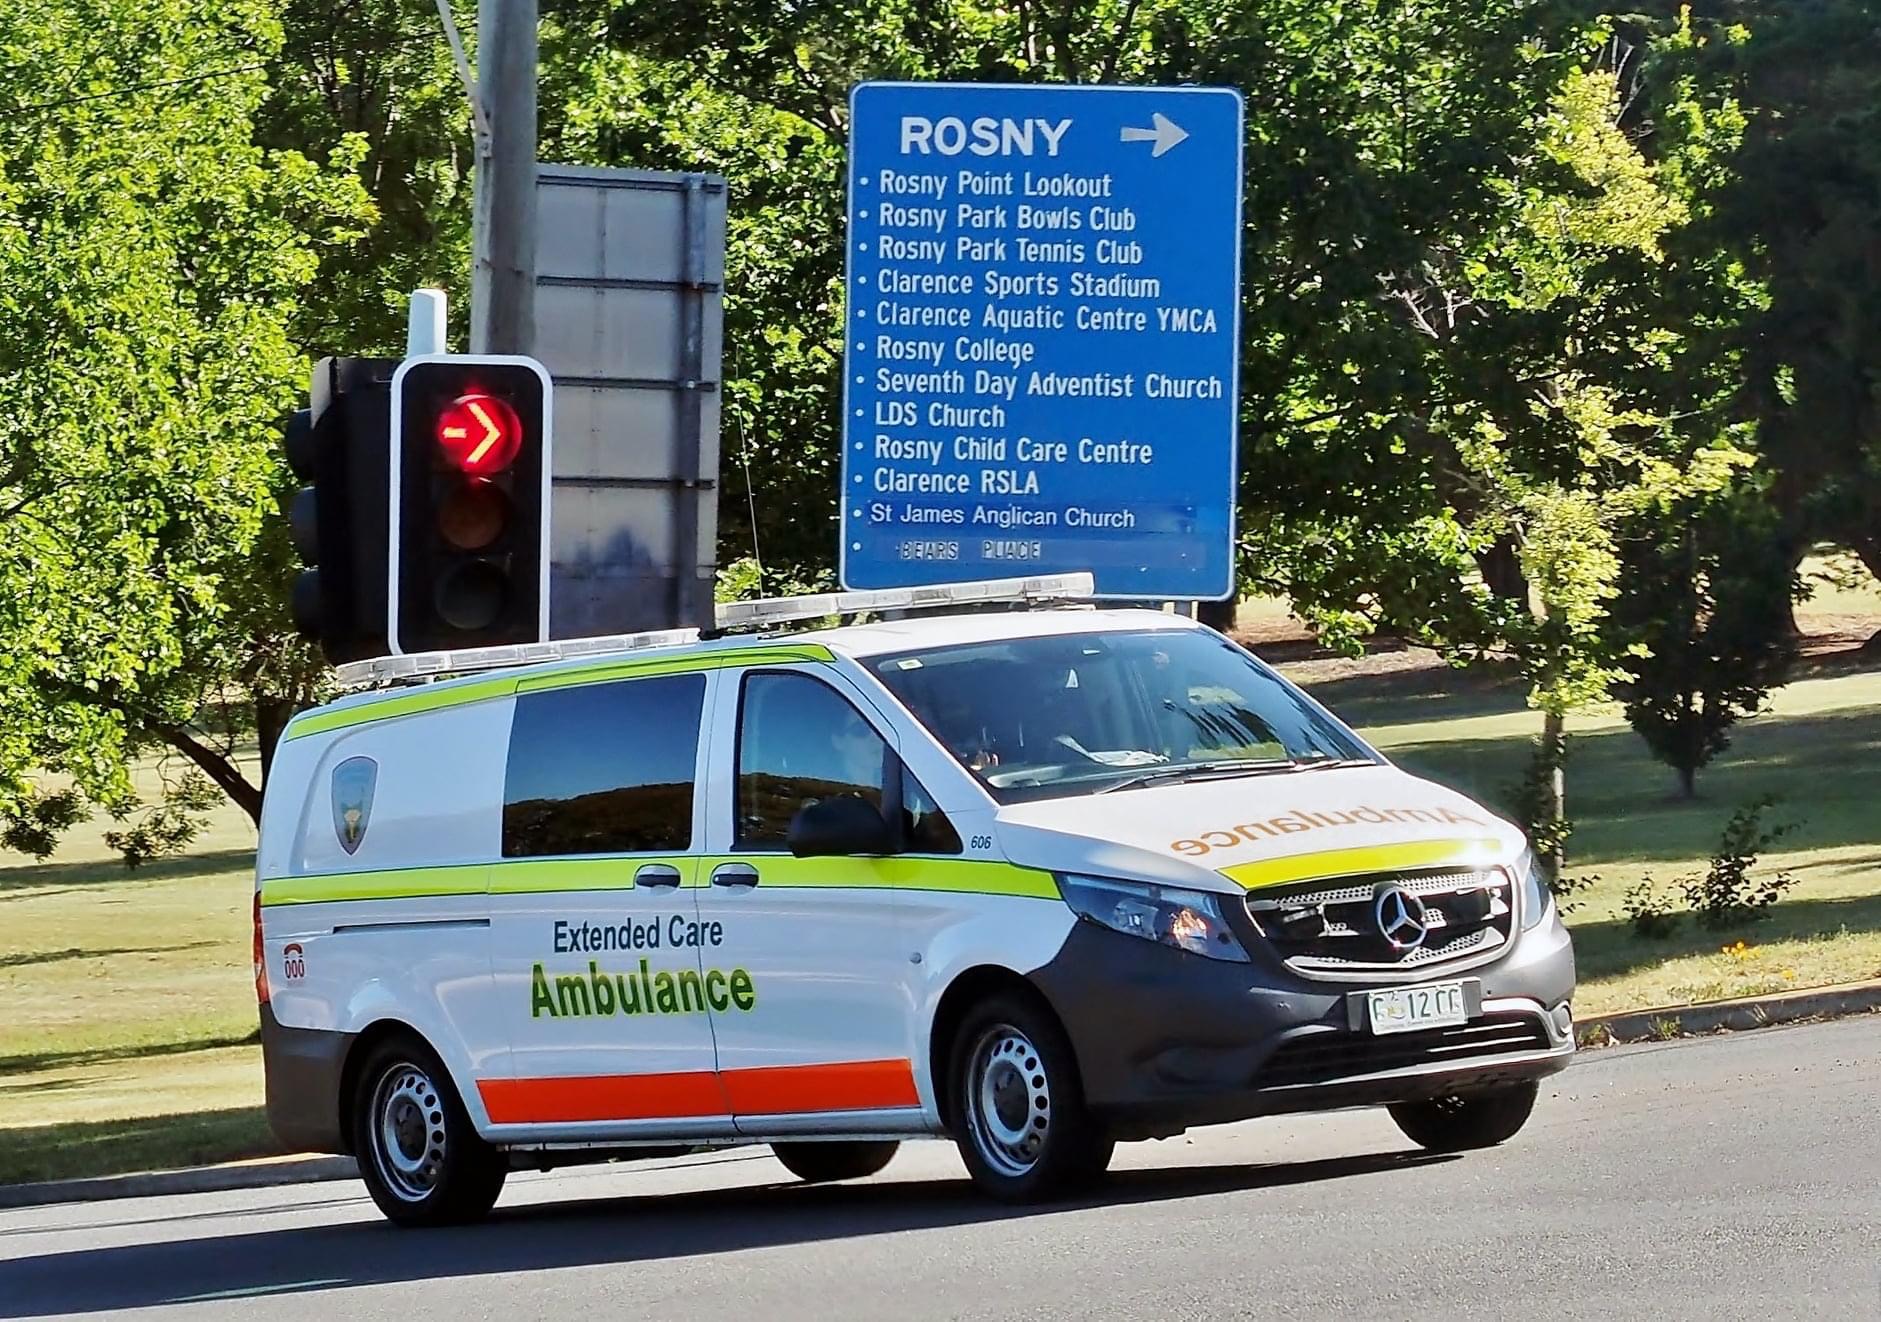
418,1153
1019,1113
1458,1124
818,1163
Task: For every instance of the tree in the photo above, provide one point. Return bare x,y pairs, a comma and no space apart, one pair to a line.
1574,385
1705,593
1801,217
150,258
1375,132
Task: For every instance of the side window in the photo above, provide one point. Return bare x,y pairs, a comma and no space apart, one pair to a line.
924,826
799,740
603,768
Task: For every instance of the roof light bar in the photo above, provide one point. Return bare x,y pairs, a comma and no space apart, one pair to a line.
422,665
780,610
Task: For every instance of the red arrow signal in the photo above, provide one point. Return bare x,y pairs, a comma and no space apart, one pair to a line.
479,433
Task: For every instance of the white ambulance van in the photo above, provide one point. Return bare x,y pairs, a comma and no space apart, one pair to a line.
1036,877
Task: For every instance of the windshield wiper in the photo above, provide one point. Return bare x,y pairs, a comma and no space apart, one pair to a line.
1223,770
1328,763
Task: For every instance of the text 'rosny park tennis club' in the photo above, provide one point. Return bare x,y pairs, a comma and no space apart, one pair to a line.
1042,336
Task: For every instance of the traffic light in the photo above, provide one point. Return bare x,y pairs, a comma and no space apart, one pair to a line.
337,445
469,480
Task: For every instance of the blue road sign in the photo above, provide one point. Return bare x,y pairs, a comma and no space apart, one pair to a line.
1042,350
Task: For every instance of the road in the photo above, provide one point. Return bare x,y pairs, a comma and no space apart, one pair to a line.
1733,1177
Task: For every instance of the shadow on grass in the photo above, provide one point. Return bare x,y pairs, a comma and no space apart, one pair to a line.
637,1230
45,1060
1623,803
112,1147
1610,948
74,952
1441,692
1434,693
215,863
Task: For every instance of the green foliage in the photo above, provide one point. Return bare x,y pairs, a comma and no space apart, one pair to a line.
1705,599
150,257
1651,909
35,818
744,579
1566,889
1531,800
369,89
1727,893
1801,217
169,826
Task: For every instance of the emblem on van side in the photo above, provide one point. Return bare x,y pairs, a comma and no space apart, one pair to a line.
353,783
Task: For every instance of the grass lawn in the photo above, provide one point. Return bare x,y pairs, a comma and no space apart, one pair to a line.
129,1039
129,1042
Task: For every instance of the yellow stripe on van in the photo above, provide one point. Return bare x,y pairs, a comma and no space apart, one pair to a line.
396,884
432,697
543,876
957,875
1329,863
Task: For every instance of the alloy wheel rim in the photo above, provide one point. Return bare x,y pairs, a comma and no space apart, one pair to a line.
1009,1101
408,1143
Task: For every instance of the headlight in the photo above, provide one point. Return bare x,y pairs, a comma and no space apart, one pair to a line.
1187,920
1535,893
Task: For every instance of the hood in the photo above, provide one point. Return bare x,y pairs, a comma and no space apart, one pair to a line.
1257,831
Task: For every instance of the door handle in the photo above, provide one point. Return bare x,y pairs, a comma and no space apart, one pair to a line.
661,876
734,874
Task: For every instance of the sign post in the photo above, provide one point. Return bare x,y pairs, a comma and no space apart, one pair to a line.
1043,336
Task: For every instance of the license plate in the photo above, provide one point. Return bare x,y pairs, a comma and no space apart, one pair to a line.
1406,1009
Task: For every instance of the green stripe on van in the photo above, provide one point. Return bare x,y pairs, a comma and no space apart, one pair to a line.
778,872
435,696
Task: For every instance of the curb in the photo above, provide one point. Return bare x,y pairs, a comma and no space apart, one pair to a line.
1728,1016
195,1179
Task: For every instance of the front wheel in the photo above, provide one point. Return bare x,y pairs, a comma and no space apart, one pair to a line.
1459,1124
1021,1124
819,1163
420,1156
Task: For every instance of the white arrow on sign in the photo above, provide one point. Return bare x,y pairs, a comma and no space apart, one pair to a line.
1165,134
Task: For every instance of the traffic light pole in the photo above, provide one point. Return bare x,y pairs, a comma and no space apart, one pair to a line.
503,279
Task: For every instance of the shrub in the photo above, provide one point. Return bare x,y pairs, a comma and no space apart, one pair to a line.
1727,893
1651,909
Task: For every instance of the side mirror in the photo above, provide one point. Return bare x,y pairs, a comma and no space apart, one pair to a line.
841,826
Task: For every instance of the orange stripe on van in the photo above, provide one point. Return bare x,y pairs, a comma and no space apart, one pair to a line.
854,1085
601,1097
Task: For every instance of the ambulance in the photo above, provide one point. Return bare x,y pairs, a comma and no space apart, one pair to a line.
983,862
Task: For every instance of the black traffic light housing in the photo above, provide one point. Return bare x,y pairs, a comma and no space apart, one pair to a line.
338,446
469,483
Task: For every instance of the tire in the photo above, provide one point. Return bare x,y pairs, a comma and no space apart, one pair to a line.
1018,1109
1460,1124
819,1163
418,1153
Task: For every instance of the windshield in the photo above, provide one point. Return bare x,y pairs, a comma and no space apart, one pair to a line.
1083,713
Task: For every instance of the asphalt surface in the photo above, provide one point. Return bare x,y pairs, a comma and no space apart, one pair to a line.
1731,1177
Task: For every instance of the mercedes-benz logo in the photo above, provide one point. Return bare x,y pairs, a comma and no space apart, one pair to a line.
1400,917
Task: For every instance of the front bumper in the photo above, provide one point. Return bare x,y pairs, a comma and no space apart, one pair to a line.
1166,1040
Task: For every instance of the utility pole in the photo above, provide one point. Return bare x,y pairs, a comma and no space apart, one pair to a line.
503,280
